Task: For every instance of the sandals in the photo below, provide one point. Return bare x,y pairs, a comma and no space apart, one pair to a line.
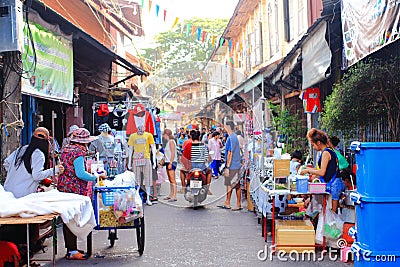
224,207
76,255
237,209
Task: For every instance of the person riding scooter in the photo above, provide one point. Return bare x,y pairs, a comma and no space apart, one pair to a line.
199,156
198,170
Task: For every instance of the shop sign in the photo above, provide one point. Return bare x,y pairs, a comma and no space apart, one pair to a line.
52,78
368,26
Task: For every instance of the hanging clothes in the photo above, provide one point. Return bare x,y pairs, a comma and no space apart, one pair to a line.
157,127
116,119
311,100
139,116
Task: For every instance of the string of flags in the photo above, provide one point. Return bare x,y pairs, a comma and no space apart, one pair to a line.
192,30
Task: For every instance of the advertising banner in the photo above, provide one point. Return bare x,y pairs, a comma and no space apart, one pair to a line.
52,76
368,26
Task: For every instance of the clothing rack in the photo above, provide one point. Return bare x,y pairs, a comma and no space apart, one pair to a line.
130,104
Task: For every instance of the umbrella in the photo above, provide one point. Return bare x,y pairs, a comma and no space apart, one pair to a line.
191,127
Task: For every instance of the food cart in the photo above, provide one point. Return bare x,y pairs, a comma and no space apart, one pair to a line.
120,207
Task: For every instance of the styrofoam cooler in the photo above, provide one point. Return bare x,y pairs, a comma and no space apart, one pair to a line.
364,257
377,169
378,224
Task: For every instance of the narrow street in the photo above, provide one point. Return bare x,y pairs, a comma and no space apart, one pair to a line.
177,235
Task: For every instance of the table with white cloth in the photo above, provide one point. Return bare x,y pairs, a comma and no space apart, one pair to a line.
35,220
76,211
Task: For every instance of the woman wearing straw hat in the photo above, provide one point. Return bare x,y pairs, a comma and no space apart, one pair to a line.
76,180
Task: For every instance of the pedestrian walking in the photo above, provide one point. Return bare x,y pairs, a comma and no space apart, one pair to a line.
214,146
232,167
171,163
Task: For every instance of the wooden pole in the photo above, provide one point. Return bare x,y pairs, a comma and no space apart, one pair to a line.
11,112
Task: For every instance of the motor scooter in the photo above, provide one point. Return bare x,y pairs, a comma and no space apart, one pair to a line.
196,188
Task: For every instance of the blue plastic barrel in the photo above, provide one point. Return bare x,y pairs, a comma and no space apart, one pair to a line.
378,224
377,168
364,257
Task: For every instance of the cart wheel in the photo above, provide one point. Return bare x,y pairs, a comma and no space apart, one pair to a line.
140,235
112,236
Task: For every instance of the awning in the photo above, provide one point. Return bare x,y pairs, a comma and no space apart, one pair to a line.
314,54
116,58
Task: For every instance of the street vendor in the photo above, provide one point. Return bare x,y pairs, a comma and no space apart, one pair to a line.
327,168
76,180
26,167
29,164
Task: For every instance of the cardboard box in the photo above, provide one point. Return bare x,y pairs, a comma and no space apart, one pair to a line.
294,233
281,167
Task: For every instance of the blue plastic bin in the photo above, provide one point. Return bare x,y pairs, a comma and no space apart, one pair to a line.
377,169
108,198
378,224
302,184
364,257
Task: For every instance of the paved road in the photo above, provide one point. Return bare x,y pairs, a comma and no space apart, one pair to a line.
177,235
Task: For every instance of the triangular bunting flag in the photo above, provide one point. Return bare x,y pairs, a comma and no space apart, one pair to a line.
165,14
142,4
157,10
194,28
221,41
230,45
203,36
198,33
213,40
175,22
208,36
182,26
188,28
150,3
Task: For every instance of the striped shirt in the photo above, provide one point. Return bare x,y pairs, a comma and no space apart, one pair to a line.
199,153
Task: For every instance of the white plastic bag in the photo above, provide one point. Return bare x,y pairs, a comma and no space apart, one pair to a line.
126,178
128,205
333,225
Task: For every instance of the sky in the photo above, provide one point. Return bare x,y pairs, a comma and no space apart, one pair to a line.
182,9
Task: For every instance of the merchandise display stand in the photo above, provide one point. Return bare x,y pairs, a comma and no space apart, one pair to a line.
273,194
35,220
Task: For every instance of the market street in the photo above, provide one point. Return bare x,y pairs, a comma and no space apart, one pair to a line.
180,236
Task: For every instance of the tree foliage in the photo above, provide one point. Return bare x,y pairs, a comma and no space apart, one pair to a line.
369,91
175,47
290,128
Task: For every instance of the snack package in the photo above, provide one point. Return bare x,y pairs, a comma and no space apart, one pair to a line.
127,205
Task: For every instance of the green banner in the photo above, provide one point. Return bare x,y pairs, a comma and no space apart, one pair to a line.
53,76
